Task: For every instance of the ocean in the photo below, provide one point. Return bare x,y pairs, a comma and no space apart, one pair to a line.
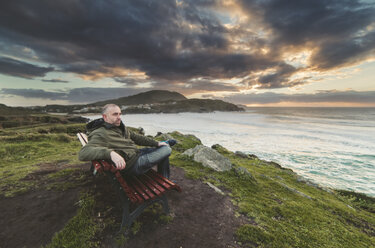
333,147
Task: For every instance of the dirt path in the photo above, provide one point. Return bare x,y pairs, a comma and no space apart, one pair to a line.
201,217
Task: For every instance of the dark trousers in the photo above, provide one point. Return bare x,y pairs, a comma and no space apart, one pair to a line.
150,157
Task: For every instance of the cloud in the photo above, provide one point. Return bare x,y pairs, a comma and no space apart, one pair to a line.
77,95
87,95
325,96
33,93
280,78
168,40
22,69
180,41
337,31
55,81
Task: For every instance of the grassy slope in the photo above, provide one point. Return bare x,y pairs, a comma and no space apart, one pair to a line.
282,211
22,149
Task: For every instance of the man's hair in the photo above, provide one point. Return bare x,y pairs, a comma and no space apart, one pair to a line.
108,106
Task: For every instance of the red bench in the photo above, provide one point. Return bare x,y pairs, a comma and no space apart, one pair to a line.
134,191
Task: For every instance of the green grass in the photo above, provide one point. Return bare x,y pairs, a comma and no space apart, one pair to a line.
284,212
22,150
80,231
281,210
67,178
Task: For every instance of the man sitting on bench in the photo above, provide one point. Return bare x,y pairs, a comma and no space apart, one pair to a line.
109,139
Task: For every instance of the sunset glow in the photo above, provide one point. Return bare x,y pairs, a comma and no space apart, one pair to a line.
233,50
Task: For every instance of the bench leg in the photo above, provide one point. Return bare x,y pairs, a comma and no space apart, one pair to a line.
127,216
162,199
125,223
164,202
124,201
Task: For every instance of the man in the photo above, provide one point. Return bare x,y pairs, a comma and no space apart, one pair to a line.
110,139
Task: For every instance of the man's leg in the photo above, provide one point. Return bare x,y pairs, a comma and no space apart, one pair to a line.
150,157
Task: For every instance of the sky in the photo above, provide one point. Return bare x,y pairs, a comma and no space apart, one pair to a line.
250,52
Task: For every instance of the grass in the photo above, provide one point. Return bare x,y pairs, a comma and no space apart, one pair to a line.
22,150
281,210
80,231
285,212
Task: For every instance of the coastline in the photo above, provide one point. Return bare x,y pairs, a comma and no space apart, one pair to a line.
333,153
272,205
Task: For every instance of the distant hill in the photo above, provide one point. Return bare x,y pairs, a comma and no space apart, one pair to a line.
154,101
188,105
149,97
5,110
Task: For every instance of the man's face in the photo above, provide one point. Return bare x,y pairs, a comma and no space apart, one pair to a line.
113,116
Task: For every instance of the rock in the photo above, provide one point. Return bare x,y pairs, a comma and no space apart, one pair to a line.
220,148
215,188
275,164
307,182
241,171
209,158
253,156
141,130
296,191
166,136
241,154
279,177
244,155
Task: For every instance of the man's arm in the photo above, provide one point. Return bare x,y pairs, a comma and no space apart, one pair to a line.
143,140
94,149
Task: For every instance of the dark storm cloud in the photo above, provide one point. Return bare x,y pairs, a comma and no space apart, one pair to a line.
78,95
197,86
55,81
332,28
86,37
87,95
182,40
344,52
279,79
128,81
33,93
22,69
209,65
325,96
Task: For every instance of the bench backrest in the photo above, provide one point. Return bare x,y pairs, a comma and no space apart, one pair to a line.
82,138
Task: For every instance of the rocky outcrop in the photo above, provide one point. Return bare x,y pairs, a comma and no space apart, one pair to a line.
244,155
209,157
164,136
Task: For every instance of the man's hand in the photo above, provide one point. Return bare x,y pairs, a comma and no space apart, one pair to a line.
162,143
118,160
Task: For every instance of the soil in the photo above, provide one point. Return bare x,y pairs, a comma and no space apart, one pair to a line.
200,217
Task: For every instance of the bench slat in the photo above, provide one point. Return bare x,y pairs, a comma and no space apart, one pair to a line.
129,191
151,185
133,182
146,189
164,181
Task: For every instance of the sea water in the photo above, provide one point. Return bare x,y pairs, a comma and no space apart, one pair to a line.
334,147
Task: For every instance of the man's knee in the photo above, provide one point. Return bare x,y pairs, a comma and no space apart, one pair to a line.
167,150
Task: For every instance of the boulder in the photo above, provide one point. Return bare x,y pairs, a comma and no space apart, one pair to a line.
244,155
215,188
209,158
164,136
241,171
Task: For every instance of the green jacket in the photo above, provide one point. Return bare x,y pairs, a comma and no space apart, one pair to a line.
103,138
